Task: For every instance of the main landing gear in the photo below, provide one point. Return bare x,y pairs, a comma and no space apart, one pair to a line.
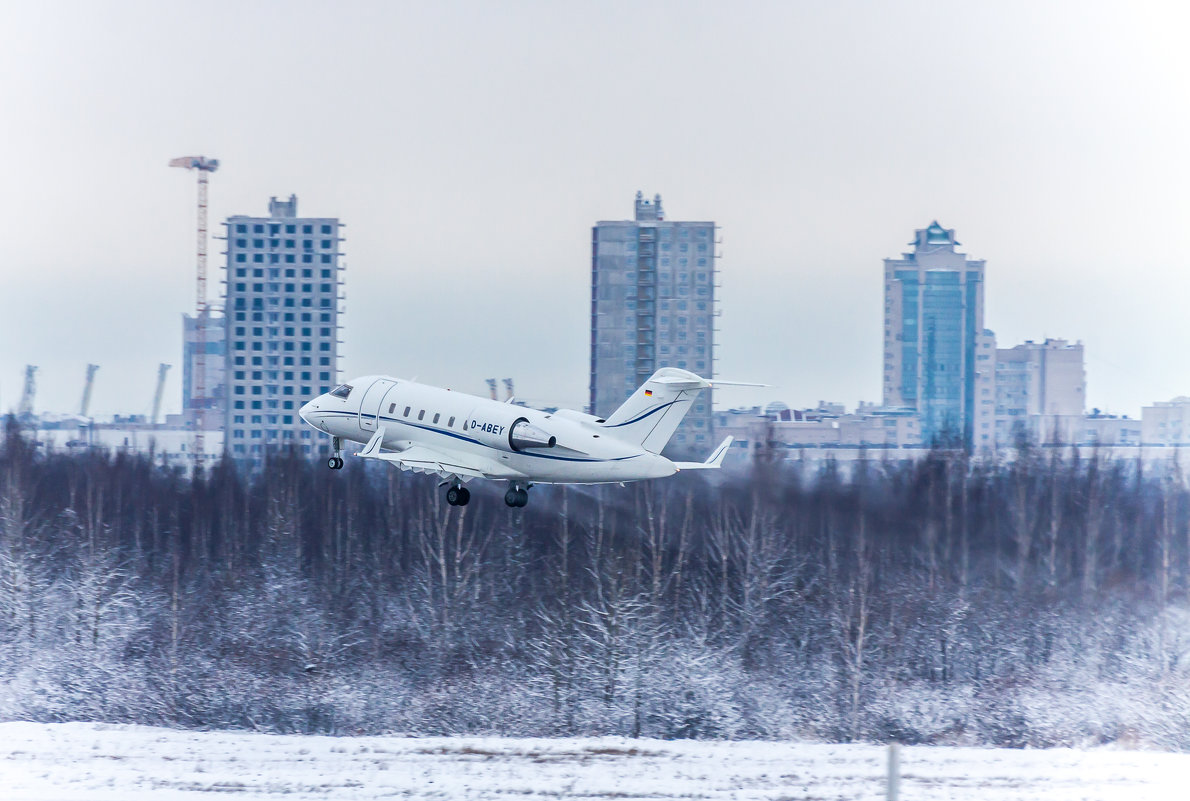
516,496
336,461
458,495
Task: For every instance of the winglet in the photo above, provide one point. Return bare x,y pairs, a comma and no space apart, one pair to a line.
713,462
372,449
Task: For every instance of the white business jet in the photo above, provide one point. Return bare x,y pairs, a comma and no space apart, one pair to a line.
461,437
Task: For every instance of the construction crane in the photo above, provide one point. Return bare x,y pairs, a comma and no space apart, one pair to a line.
87,384
162,369
25,409
203,166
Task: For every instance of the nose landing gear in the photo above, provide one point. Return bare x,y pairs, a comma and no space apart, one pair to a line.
516,496
336,461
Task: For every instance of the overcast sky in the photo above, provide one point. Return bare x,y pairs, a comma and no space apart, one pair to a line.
469,148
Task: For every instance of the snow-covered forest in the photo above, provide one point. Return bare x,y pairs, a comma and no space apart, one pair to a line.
1042,601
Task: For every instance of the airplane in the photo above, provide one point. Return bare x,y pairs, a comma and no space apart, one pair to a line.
461,437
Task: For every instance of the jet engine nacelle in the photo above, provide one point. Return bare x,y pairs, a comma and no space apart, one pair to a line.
526,435
511,433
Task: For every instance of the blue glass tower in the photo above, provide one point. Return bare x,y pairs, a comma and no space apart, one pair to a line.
933,314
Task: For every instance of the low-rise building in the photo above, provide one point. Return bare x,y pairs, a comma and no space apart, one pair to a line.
1167,423
827,431
169,444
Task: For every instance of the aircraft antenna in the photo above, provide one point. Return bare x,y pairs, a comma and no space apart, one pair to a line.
203,166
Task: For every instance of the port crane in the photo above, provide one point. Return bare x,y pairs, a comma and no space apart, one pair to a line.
25,409
88,383
162,369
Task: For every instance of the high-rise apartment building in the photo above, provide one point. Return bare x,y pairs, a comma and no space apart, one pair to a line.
652,306
282,325
933,326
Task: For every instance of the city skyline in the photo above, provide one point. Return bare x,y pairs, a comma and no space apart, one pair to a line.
470,152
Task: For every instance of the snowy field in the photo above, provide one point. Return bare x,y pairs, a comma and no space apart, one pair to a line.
126,763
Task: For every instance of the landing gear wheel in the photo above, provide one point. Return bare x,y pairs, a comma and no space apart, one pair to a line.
516,497
335,463
458,495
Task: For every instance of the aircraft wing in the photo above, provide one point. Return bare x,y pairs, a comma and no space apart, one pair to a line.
426,459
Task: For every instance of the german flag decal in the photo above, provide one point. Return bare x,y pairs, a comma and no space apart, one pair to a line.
648,393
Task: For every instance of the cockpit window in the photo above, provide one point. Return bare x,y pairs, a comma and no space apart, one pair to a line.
341,391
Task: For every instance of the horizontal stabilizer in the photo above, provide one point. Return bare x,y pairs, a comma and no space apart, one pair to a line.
713,462
681,382
719,382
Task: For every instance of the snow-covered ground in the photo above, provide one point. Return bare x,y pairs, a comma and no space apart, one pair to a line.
127,763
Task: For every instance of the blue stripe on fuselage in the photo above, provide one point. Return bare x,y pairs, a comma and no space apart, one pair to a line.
473,441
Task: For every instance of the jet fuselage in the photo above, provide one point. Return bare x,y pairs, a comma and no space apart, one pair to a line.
481,433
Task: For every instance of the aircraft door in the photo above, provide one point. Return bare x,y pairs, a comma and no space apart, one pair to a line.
369,405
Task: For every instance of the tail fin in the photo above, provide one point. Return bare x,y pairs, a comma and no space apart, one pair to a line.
654,411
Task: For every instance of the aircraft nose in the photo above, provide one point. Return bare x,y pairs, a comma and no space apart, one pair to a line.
305,410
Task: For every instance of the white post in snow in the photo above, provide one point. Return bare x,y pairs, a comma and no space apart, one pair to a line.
894,771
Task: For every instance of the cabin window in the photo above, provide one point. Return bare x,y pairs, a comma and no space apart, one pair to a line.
421,415
450,423
435,418
392,407
342,391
